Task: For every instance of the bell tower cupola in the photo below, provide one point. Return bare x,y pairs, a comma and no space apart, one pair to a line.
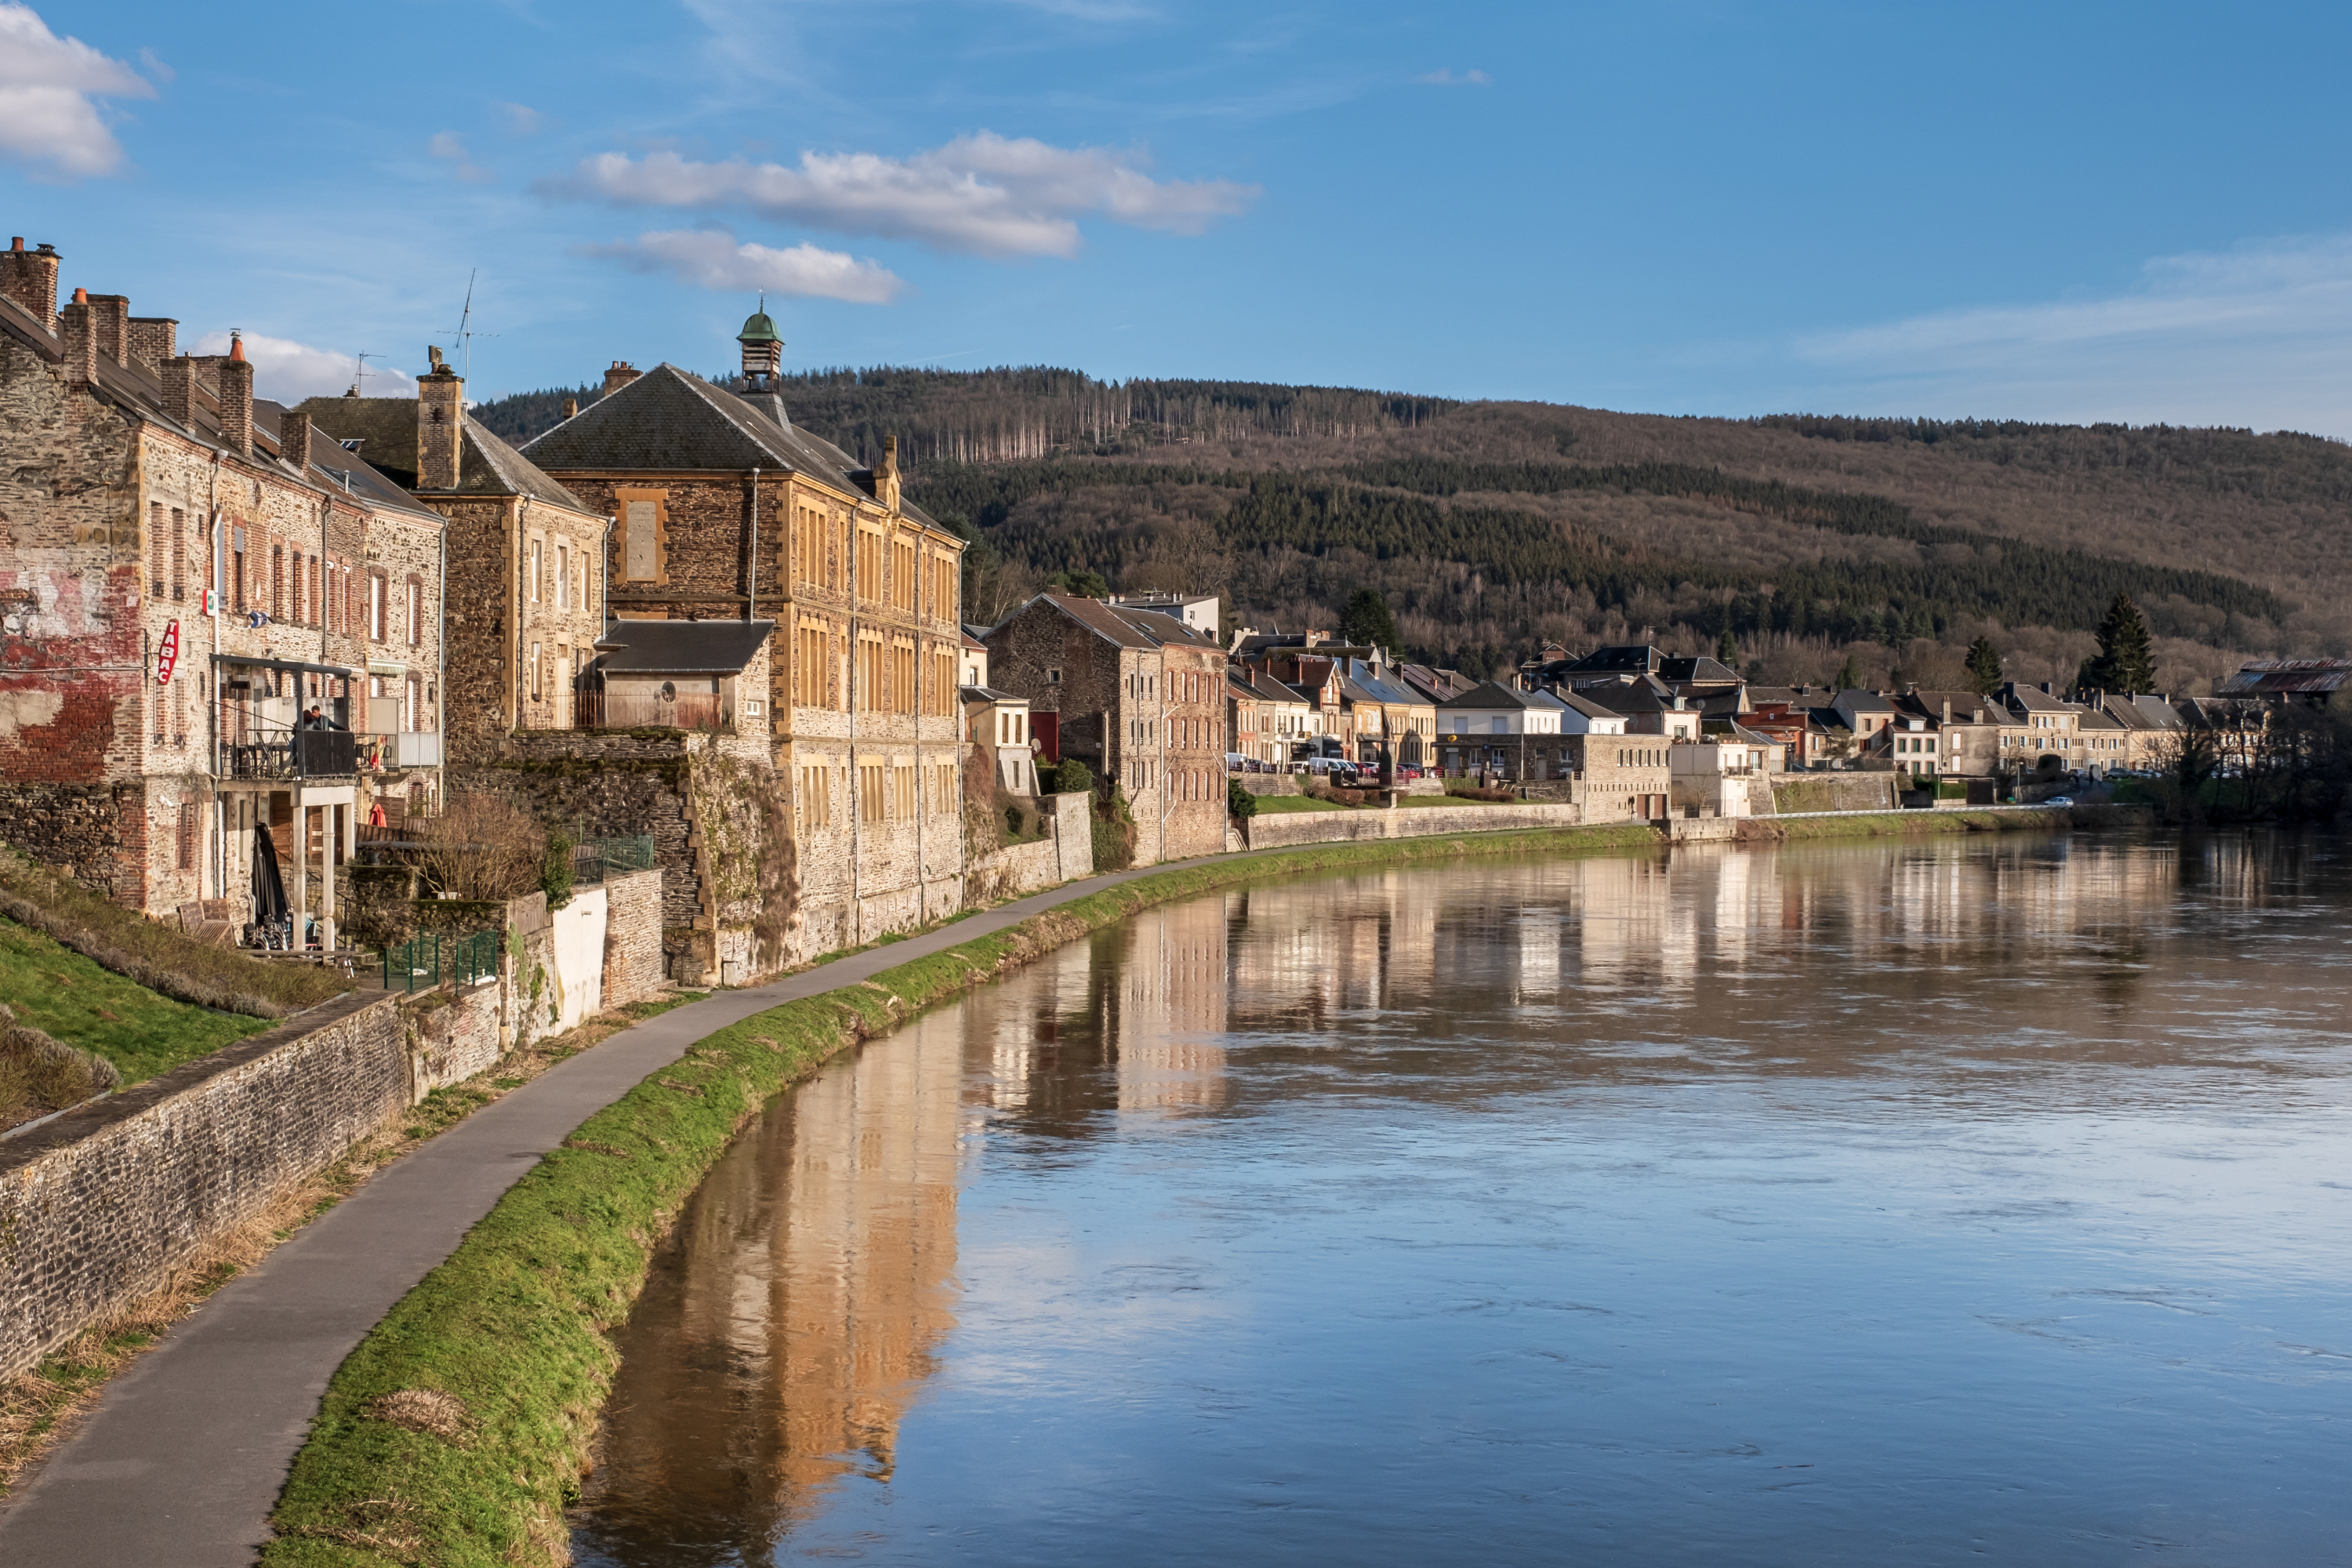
763,352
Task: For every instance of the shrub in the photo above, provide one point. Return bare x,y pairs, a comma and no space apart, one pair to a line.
38,1074
485,847
1068,776
1239,800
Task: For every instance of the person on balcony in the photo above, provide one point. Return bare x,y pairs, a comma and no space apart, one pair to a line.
316,719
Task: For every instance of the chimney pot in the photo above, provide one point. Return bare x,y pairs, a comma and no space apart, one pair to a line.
236,347
620,375
81,297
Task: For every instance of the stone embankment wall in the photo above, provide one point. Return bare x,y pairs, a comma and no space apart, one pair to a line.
98,1205
1065,854
633,936
1403,821
1834,792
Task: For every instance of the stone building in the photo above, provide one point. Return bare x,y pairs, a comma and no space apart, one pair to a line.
723,509
1139,697
526,580
187,571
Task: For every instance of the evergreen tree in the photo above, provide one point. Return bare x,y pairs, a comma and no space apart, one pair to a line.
1080,584
2126,656
1984,665
1727,652
1849,675
1367,620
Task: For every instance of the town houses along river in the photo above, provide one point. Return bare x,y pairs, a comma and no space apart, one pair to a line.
1919,1203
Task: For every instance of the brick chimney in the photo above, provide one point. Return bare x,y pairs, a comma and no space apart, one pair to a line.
236,399
153,340
179,378
81,338
620,375
440,424
110,317
294,440
30,278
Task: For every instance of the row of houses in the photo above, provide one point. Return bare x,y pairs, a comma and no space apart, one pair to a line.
224,621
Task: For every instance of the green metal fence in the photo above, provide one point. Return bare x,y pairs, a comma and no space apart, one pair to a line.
594,860
427,959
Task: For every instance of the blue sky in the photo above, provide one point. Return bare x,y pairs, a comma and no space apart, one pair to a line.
2078,212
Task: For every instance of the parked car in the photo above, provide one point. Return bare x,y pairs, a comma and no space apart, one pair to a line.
1337,770
2060,800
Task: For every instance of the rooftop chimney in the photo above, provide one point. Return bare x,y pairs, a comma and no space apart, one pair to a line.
110,317
294,440
620,375
179,377
1948,710
30,278
571,408
236,375
886,477
440,424
153,340
80,340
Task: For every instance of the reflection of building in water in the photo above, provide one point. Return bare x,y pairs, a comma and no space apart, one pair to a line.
1172,1019
816,1265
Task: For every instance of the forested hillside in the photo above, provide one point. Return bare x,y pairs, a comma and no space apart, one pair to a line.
1491,526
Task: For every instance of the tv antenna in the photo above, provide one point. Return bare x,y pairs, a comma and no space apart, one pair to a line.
465,336
359,382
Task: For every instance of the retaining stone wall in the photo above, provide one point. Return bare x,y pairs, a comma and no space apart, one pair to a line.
1403,822
97,1205
633,936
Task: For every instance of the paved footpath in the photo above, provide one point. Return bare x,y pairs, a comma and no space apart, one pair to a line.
185,1455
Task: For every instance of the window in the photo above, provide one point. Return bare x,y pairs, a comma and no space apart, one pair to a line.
641,540
534,672
562,577
187,844
276,582
416,613
1053,676
870,801
816,797
531,575
155,549
237,566
377,607
179,554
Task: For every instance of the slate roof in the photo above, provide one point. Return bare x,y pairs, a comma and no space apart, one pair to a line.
332,466
1586,705
1857,701
681,647
1965,704
1489,694
385,428
1619,658
670,420
1699,671
986,694
2288,677
1262,686
2034,699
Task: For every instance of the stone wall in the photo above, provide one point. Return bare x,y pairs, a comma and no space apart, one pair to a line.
633,936
97,1205
1834,792
1011,871
453,1034
1403,821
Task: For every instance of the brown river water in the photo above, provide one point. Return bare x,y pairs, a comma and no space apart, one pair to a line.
1868,1204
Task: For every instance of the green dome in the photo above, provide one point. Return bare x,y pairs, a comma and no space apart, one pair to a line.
759,329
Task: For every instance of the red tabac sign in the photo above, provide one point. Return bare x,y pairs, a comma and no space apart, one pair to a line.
168,654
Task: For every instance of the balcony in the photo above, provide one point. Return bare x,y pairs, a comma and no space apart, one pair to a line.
397,750
295,754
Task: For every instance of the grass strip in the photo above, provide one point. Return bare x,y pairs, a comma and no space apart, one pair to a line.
74,999
456,1433
157,955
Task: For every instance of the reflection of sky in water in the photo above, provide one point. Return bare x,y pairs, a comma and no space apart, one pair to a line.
1856,1204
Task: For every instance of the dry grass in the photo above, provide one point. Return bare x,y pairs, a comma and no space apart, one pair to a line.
426,1410
39,1407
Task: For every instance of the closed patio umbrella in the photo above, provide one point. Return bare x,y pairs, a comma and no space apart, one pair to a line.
268,889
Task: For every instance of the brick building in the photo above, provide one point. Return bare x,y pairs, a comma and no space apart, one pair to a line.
186,570
526,560
1137,695
724,509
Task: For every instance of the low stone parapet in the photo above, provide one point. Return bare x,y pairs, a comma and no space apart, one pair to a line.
1287,828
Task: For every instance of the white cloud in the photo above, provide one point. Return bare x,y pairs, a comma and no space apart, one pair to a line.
156,66
1451,78
521,119
449,145
49,121
290,371
2255,336
711,258
984,194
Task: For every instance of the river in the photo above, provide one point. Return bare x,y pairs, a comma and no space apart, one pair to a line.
1917,1203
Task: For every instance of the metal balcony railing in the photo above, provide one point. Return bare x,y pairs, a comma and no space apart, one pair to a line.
298,754
633,710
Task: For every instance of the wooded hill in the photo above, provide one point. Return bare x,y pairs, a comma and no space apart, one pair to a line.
1492,526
